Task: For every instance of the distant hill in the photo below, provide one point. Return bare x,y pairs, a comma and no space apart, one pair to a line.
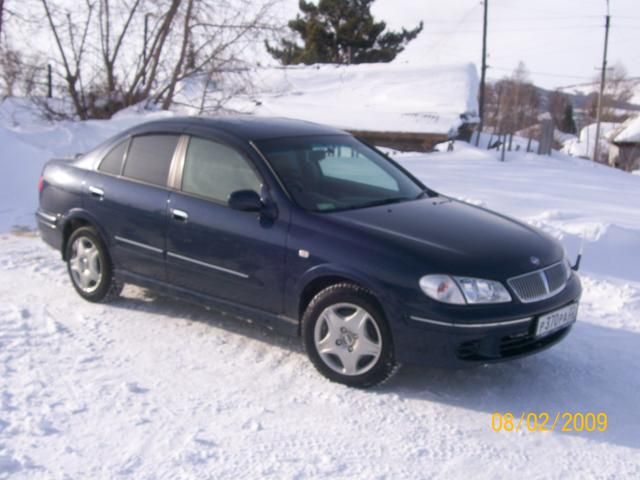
580,94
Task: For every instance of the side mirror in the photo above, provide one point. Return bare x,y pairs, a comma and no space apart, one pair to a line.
245,200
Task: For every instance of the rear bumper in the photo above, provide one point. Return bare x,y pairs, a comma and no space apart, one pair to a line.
49,227
485,335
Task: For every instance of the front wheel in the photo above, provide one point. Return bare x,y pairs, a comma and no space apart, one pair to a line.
90,267
347,338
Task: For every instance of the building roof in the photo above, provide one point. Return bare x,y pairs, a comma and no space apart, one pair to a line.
629,132
387,97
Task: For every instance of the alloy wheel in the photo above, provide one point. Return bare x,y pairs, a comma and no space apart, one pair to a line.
85,265
348,339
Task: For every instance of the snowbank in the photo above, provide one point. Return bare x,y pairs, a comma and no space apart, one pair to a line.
28,142
584,145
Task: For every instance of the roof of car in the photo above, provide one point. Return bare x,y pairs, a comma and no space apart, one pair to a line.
245,127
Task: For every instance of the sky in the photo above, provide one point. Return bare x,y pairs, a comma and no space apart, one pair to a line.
560,41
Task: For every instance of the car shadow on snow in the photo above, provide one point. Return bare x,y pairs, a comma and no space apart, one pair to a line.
595,369
140,299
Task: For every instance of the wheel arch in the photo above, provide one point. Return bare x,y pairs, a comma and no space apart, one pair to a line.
324,276
75,219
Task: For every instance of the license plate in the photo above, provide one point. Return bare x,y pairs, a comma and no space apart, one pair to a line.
554,321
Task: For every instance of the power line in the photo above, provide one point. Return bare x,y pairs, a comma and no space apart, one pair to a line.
544,74
452,31
517,29
512,19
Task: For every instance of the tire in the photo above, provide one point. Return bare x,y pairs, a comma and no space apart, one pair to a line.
347,338
89,266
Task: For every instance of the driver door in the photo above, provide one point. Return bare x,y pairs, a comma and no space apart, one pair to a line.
212,249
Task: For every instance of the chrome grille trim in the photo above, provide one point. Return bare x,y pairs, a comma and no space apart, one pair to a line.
540,284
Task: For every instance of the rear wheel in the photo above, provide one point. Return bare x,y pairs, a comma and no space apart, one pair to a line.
89,266
347,337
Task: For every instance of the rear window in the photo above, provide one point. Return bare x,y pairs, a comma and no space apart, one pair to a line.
149,158
112,161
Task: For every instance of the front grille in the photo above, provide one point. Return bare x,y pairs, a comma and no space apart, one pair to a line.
557,276
541,284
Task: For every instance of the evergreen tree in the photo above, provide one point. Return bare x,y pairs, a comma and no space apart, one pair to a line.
567,124
340,31
561,110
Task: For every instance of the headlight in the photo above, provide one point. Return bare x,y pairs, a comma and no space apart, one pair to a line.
478,290
461,290
442,288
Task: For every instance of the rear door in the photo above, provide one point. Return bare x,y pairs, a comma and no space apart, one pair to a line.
128,195
212,249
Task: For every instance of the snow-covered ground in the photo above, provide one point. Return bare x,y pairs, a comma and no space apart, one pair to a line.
150,387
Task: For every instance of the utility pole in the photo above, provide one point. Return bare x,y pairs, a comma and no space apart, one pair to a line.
483,72
596,149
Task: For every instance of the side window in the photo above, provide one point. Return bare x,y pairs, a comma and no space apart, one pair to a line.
214,171
346,164
112,161
149,158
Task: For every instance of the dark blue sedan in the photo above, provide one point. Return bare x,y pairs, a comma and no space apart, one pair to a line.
308,230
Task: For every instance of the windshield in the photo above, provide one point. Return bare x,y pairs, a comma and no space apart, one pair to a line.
337,172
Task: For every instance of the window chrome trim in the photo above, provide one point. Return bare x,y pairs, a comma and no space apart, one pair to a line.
177,163
471,325
208,265
266,162
138,244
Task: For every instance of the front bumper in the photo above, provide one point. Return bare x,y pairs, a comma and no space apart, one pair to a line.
463,336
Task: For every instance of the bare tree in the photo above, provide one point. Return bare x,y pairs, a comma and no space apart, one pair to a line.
1,15
18,75
512,103
618,91
178,67
213,39
106,65
72,56
110,53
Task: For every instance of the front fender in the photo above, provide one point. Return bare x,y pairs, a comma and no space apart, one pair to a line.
328,270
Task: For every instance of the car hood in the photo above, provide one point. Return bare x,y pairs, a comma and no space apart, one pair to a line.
450,236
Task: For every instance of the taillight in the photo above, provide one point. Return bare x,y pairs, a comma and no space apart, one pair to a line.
40,184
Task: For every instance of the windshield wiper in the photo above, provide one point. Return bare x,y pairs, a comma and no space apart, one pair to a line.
385,201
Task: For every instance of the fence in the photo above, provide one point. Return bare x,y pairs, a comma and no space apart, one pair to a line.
507,142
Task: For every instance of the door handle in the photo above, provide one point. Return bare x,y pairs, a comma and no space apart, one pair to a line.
179,215
96,192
